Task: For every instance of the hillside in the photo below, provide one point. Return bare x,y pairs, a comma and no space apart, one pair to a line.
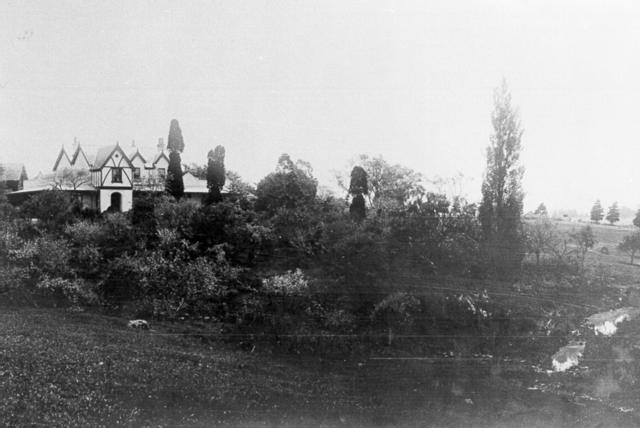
60,368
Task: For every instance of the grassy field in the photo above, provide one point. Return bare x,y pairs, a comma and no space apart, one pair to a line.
59,368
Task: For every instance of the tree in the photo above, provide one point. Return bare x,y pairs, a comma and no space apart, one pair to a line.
597,213
630,244
291,186
613,214
174,183
541,237
53,208
541,210
175,144
636,220
215,174
387,184
502,195
584,240
237,186
71,177
357,188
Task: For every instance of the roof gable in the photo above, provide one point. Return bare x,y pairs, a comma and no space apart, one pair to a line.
137,155
106,153
159,156
62,157
80,156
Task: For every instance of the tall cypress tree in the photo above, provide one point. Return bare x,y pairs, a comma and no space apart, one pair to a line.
174,183
502,195
357,187
175,144
216,174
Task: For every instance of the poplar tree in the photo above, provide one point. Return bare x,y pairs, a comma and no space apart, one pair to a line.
501,207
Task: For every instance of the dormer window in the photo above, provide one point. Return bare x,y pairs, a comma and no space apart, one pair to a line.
136,173
116,175
162,172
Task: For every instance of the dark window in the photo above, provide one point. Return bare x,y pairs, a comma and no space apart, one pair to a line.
162,172
116,175
136,173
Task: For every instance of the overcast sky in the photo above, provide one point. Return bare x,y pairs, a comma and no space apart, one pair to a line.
327,80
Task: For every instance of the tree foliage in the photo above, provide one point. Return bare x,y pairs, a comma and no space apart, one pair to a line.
541,237
175,183
613,214
71,178
292,185
53,209
631,245
584,240
175,143
359,182
215,174
636,219
357,188
389,184
358,209
597,213
502,194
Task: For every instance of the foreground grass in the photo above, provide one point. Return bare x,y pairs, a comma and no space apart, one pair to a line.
63,369
59,368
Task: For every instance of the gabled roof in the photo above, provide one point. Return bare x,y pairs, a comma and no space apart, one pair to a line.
12,172
105,153
137,154
79,154
63,152
161,154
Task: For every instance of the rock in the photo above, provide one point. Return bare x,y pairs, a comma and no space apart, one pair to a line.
139,324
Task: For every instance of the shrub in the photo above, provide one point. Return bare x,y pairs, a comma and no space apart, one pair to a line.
287,284
53,208
67,291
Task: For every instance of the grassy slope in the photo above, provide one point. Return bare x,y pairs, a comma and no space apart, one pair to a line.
65,369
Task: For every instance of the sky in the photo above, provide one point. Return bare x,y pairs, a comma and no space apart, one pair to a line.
325,81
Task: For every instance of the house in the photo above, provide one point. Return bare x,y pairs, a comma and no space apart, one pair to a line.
12,176
111,178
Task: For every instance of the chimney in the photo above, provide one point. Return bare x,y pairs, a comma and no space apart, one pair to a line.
133,143
160,144
75,144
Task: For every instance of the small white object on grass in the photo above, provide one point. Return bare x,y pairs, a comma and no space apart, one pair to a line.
141,324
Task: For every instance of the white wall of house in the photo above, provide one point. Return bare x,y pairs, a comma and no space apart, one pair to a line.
126,199
137,162
160,164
